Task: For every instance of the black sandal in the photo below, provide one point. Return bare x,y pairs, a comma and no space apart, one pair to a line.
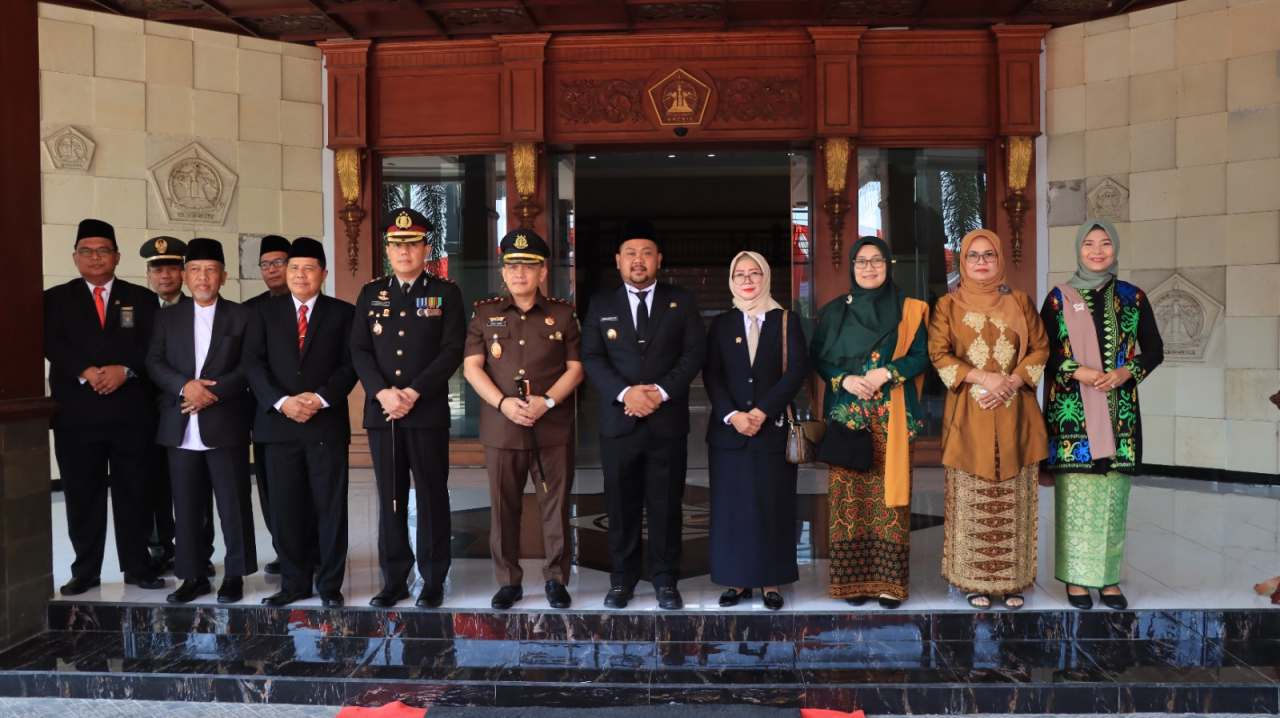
972,598
889,602
856,600
1016,597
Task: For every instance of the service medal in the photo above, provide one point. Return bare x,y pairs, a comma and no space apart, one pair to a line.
377,328
495,349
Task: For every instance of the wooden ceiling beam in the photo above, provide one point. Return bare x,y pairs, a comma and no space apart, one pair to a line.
340,24
431,20
217,7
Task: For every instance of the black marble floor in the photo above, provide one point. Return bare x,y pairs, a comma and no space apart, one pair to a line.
935,663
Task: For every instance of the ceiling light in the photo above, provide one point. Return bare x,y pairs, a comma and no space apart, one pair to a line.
711,154
671,156
591,157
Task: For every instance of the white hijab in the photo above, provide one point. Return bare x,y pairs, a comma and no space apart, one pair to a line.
763,301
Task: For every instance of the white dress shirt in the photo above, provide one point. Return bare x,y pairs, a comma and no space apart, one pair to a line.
310,304
203,334
633,299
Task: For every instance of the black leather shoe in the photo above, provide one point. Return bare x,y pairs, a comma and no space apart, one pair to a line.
856,600
886,602
209,570
331,599
143,580
1084,601
284,598
558,595
669,598
272,568
506,596
430,597
231,590
1115,601
77,585
732,596
618,596
773,600
190,590
390,596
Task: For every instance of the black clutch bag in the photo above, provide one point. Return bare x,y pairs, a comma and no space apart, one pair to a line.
846,448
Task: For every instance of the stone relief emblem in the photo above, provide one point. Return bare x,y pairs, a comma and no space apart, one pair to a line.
1108,200
193,186
69,149
679,99
1186,316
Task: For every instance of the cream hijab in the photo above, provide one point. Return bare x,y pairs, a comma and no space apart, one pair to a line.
761,303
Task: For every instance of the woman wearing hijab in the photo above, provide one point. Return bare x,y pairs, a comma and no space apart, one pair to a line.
990,348
1096,324
753,488
871,349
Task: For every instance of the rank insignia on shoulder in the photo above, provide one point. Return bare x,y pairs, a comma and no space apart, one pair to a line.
375,280
441,278
557,300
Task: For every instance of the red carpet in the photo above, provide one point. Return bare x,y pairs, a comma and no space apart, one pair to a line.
390,710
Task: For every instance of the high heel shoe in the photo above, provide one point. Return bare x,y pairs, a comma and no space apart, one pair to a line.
732,596
1114,601
1084,601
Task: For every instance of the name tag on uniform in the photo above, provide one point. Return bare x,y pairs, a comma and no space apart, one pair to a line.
497,322
126,317
376,303
608,319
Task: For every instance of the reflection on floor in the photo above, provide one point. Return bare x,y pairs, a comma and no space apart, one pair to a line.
1197,640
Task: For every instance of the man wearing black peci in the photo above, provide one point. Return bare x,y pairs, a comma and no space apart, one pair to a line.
406,343
273,254
195,357
96,330
642,346
299,366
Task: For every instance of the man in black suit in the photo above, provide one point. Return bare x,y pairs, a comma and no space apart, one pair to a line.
195,357
96,331
642,346
406,343
273,254
299,367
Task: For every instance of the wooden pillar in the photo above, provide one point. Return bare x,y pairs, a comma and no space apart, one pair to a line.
26,541
355,196
1018,51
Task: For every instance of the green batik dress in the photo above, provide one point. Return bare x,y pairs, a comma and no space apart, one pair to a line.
1092,496
871,542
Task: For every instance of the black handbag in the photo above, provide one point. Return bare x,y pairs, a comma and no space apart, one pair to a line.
846,448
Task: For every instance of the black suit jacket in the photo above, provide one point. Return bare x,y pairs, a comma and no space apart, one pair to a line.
75,340
252,302
394,343
172,363
673,353
277,369
735,384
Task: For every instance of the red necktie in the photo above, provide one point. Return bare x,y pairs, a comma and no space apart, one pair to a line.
100,304
302,325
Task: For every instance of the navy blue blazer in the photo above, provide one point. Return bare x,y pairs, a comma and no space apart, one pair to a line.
673,353
735,384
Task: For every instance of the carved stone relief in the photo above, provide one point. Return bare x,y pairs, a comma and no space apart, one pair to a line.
69,149
747,99
592,101
193,186
1108,199
1186,316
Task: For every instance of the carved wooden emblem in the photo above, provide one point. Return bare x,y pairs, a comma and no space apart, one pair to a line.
69,149
747,99
193,186
679,99
591,101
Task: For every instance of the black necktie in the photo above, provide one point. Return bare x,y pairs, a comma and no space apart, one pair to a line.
404,288
642,316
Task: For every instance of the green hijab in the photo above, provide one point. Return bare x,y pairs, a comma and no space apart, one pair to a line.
1086,278
853,326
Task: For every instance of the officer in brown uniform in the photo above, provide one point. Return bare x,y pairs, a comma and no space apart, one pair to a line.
522,358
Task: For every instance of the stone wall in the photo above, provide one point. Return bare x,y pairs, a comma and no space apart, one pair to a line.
1168,121
139,95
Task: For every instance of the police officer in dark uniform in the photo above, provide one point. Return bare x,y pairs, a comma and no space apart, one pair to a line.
406,342
522,358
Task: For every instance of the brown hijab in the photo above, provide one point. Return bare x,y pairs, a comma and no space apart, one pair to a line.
991,297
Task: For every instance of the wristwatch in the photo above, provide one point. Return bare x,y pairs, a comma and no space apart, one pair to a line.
551,403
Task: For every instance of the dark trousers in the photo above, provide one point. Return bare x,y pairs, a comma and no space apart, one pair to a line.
192,474
643,472
261,472
93,460
509,472
162,508
314,477
425,453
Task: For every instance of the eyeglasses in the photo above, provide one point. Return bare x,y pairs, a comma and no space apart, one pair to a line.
988,257
876,262
277,263
100,252
753,277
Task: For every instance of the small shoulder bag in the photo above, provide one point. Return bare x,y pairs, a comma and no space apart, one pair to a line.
803,437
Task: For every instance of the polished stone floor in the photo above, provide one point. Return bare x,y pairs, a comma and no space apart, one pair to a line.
1191,545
